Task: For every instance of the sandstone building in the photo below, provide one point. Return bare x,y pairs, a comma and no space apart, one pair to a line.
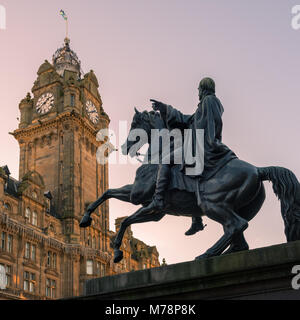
43,251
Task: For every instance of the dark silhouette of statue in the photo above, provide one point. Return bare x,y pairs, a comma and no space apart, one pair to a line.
208,116
228,190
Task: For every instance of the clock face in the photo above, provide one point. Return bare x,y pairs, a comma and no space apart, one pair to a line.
45,103
92,112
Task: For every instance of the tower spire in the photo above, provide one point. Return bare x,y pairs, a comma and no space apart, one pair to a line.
66,59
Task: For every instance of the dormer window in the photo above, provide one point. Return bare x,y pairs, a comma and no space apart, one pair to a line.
34,218
7,207
28,214
48,197
34,195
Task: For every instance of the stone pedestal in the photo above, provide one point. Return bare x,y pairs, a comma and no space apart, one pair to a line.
263,273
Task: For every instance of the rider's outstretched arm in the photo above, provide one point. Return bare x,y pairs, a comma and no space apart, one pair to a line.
172,117
176,119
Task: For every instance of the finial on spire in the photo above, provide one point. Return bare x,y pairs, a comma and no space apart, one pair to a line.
67,44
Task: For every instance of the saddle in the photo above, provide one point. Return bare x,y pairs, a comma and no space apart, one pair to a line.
180,181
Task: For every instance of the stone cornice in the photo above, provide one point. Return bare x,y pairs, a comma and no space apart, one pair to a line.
30,264
36,88
52,272
88,253
29,233
12,294
37,202
38,237
53,123
7,256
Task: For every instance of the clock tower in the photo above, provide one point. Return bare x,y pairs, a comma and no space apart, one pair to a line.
57,139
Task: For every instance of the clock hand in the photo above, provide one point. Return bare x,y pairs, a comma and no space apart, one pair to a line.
44,102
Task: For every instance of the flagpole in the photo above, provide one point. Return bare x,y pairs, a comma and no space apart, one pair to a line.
63,14
67,28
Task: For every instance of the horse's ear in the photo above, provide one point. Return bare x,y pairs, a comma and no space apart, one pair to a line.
136,111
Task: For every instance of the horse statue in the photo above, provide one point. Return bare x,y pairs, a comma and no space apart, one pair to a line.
232,197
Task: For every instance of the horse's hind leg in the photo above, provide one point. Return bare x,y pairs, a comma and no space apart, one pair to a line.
232,224
238,243
248,212
122,194
137,217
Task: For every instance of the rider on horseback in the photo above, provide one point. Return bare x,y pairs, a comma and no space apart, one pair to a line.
208,116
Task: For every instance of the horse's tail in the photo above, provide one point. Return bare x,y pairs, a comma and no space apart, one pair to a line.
286,187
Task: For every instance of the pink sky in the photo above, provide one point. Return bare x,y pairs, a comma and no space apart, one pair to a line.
161,49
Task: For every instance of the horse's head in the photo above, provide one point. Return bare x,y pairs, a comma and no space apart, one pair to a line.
144,122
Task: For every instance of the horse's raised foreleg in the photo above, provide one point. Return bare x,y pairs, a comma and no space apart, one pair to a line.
137,217
232,224
122,194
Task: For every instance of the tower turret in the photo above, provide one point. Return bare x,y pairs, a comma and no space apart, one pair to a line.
66,59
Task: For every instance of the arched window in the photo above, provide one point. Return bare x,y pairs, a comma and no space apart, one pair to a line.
7,206
51,228
34,218
28,214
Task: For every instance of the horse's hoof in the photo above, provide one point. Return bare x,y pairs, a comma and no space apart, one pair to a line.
234,249
86,221
203,256
118,256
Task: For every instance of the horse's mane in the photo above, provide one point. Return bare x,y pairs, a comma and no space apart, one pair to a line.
151,117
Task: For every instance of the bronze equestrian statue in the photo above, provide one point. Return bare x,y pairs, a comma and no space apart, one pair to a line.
228,190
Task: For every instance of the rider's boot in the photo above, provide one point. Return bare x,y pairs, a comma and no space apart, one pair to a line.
162,182
197,225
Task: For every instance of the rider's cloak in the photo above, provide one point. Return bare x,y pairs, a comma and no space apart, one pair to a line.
208,116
